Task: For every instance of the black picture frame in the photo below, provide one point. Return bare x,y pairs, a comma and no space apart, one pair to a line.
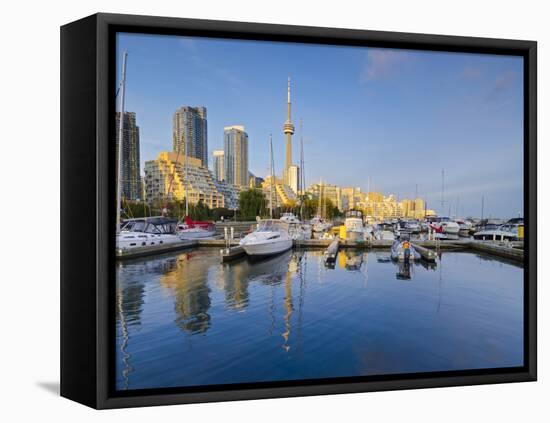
87,205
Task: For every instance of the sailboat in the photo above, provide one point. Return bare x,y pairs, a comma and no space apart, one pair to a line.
320,225
271,235
142,232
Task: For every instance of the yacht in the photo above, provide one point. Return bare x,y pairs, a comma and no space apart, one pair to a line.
384,232
320,225
464,226
145,232
270,237
355,230
507,231
444,225
413,226
191,229
296,228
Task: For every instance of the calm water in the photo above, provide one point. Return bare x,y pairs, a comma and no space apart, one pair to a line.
184,319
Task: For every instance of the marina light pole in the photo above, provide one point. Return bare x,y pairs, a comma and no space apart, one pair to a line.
120,139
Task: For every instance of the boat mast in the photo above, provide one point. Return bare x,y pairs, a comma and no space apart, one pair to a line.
186,180
271,176
120,137
302,177
319,208
442,188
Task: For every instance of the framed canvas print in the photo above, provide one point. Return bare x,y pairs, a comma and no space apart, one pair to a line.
255,211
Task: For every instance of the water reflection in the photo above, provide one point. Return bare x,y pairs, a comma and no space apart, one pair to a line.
185,319
189,283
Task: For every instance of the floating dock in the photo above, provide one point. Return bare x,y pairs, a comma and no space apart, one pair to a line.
513,251
428,249
232,253
426,253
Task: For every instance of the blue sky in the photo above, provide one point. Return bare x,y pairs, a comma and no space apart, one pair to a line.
394,117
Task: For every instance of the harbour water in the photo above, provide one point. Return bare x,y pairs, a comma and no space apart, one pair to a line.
184,319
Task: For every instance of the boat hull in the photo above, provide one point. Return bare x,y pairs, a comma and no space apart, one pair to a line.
186,235
262,249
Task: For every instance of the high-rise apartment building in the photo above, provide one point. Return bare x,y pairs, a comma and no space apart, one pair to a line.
130,177
174,177
235,148
218,165
293,174
189,133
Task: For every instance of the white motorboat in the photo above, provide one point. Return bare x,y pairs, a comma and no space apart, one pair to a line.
444,225
320,225
412,226
296,229
145,232
384,232
355,229
509,231
191,229
464,226
270,237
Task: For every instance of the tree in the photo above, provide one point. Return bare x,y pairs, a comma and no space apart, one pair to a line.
251,203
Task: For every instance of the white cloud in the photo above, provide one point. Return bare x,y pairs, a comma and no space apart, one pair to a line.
381,63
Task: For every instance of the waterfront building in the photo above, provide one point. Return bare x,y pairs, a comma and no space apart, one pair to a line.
130,172
288,130
254,181
330,192
353,198
413,208
235,141
169,178
189,133
283,195
293,174
218,165
230,193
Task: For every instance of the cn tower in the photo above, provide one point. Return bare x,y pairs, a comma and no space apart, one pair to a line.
288,130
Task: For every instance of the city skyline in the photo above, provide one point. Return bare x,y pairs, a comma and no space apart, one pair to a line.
409,115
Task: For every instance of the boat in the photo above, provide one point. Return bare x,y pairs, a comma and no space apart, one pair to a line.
320,225
464,226
270,237
506,232
355,230
412,226
296,228
193,229
327,235
444,225
402,250
146,232
383,234
289,218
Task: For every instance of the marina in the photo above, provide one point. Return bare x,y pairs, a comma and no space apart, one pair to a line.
292,317
232,269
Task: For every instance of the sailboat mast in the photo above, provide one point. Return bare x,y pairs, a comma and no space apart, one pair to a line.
442,189
271,176
302,177
186,180
120,140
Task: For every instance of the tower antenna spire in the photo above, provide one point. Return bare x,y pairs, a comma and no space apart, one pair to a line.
288,130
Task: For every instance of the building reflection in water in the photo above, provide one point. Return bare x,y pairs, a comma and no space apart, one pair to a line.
189,281
129,302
